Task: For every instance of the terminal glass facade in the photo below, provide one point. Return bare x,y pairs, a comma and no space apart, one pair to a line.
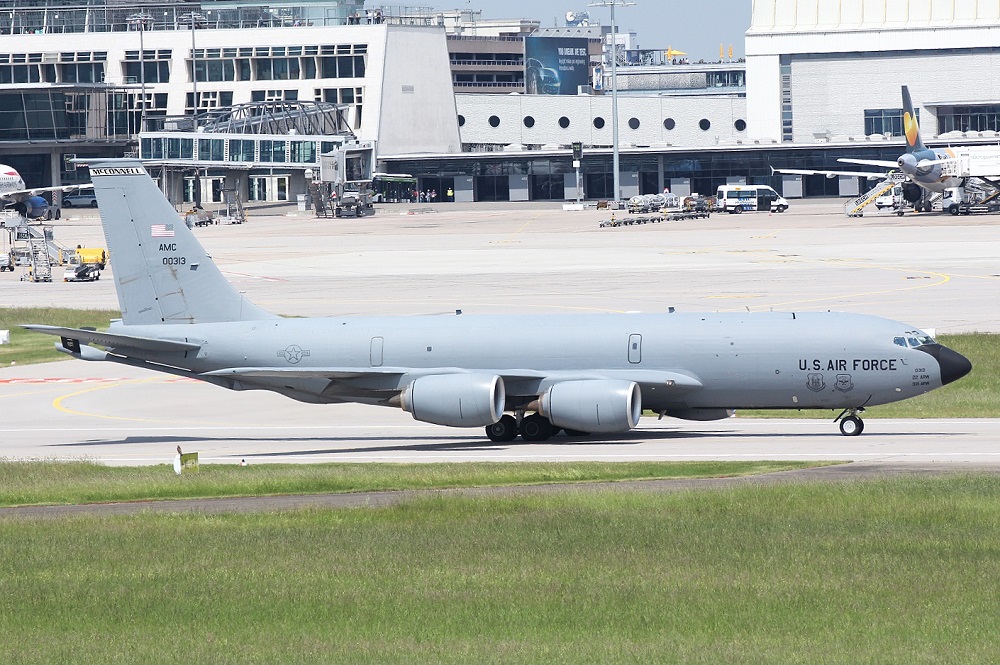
69,16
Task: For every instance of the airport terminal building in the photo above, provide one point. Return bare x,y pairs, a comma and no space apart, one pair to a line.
820,81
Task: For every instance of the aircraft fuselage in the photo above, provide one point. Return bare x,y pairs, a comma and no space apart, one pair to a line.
736,360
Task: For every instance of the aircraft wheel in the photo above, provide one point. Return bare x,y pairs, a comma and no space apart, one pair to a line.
504,429
851,426
536,428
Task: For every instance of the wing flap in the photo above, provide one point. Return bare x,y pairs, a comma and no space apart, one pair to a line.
112,340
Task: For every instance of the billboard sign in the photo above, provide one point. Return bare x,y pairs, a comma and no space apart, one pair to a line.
555,65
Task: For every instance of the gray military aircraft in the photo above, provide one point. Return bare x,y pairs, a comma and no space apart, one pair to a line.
532,375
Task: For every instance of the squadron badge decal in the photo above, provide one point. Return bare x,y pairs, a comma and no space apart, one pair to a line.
815,383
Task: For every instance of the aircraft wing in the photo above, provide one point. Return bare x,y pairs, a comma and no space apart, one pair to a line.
112,340
21,194
871,175
520,381
870,162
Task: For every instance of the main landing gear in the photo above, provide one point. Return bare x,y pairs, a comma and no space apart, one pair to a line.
532,428
850,423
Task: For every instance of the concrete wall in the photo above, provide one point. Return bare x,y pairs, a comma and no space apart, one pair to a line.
867,49
416,106
581,111
825,94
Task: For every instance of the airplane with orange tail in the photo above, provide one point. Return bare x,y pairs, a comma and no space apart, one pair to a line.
928,170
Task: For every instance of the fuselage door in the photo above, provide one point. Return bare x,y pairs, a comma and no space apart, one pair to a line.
635,349
376,351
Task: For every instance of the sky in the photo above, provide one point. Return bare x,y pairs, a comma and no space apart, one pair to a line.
694,26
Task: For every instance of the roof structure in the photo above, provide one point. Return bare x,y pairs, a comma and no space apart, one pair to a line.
822,15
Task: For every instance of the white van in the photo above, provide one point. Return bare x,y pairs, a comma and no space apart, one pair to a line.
740,198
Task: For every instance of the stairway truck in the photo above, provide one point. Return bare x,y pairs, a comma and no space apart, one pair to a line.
749,198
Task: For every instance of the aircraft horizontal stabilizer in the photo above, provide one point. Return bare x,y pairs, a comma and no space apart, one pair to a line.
112,340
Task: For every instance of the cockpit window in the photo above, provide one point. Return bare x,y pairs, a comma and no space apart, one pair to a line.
914,338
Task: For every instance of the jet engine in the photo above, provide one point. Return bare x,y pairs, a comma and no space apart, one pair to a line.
593,405
33,207
455,400
912,192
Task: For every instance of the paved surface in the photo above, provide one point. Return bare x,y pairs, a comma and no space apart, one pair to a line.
935,271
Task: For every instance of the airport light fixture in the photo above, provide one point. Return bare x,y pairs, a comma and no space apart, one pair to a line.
614,89
141,22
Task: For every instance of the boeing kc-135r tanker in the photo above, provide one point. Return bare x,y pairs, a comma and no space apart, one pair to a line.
527,375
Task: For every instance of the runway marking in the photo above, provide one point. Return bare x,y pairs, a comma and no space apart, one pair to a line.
57,403
263,278
943,279
59,380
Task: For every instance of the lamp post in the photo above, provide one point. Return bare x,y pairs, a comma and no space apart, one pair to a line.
141,22
614,88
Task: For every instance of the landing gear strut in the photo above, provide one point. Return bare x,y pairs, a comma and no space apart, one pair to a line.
850,423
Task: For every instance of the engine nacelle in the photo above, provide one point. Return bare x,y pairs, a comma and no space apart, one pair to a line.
33,207
593,405
700,415
455,400
912,192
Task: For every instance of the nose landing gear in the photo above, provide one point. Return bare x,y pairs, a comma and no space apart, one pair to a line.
850,423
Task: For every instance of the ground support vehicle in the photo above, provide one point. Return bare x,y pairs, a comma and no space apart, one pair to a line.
81,272
198,216
736,199
973,199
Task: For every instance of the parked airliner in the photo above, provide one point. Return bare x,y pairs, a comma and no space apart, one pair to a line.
26,202
926,169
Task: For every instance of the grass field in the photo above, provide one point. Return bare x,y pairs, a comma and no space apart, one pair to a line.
38,483
892,571
27,347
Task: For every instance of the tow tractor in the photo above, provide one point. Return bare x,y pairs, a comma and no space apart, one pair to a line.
81,272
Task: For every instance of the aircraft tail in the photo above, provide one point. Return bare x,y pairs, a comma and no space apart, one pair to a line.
910,125
162,273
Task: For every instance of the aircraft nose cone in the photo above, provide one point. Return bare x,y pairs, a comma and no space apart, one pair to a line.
952,363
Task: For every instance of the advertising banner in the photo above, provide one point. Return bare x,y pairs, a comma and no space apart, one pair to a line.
555,65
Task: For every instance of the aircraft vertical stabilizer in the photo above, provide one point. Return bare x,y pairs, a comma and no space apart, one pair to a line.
162,272
911,127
